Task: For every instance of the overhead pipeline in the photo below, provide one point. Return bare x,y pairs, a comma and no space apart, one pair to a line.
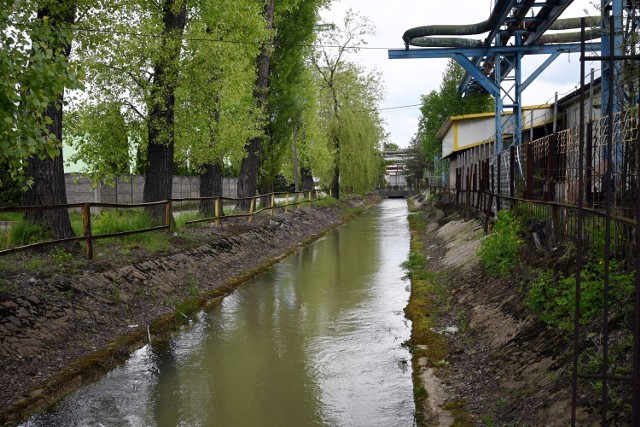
573,37
445,42
455,30
421,36
573,23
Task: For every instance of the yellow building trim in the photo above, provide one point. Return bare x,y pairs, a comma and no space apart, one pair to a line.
475,144
472,116
455,136
492,114
536,107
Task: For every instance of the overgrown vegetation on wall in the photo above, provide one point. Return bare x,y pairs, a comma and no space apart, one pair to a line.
548,285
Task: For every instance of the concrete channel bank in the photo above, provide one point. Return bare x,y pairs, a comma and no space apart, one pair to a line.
61,331
480,356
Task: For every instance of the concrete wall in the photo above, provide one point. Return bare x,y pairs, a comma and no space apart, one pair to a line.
127,190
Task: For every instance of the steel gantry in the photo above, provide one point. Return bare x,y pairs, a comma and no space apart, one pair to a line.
515,28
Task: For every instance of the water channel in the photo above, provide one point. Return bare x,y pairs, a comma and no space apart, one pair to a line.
314,342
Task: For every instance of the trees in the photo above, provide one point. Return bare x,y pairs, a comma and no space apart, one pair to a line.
207,85
48,56
291,98
161,105
281,91
134,62
348,98
100,135
216,113
437,106
247,179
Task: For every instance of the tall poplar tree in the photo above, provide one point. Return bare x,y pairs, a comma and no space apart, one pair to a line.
248,177
291,97
216,113
40,44
158,182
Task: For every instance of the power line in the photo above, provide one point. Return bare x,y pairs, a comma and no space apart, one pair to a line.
181,37
400,106
389,108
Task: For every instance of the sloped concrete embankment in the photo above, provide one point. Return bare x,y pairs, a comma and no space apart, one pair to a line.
501,365
60,332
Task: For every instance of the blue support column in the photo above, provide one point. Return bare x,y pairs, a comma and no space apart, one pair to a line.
615,8
517,108
499,108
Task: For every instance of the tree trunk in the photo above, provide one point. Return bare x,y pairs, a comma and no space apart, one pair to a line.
248,176
48,174
335,184
307,179
159,173
247,179
265,200
210,186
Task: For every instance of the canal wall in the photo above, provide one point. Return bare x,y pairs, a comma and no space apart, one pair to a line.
480,356
59,332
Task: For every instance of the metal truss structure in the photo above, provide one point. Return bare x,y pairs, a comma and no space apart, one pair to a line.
515,28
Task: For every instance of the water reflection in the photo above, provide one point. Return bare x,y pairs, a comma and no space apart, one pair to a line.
315,342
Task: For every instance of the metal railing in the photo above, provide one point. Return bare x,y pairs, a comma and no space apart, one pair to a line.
297,198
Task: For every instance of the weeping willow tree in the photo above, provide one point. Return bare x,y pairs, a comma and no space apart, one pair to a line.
349,98
354,130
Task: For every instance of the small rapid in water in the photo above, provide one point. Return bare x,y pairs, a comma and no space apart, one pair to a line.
314,342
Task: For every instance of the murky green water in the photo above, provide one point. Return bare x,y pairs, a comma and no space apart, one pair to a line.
316,342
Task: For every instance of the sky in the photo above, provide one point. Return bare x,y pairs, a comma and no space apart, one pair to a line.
407,79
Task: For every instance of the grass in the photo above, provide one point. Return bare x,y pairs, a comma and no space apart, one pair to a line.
25,233
428,296
10,216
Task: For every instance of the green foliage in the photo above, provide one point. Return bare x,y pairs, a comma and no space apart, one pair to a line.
349,96
100,136
181,220
215,110
10,216
439,105
499,251
10,188
112,221
60,257
553,298
192,286
34,72
292,105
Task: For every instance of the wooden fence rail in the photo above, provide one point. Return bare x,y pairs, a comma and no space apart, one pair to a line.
88,237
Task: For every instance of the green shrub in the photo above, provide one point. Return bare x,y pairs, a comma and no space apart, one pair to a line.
553,298
499,251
